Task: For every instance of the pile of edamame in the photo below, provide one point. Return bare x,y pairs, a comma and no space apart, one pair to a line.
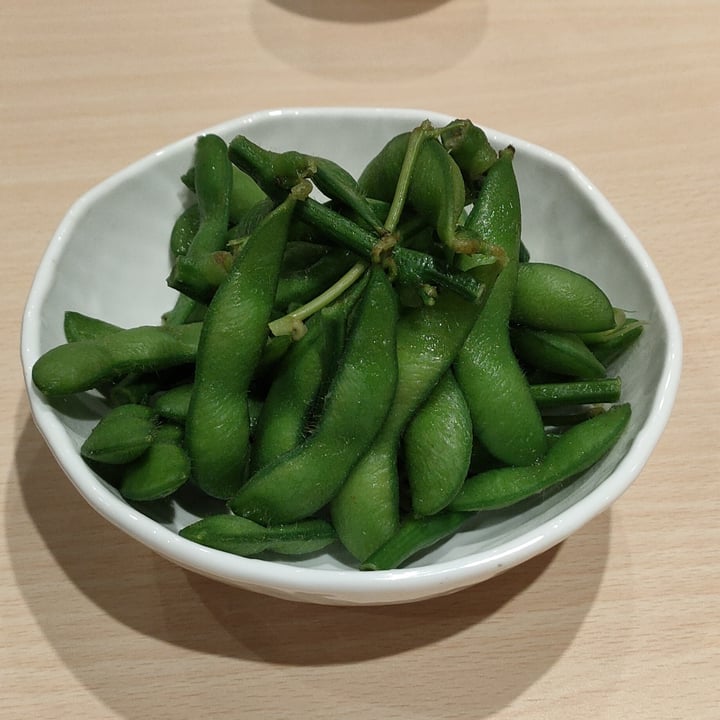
370,369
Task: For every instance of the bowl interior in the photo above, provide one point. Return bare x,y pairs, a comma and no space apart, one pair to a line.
109,258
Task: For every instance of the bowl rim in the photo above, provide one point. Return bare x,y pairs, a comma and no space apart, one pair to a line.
349,585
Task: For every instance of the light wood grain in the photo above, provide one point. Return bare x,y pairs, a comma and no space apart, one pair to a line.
621,620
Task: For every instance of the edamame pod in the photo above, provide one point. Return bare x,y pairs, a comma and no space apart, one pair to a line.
303,372
339,185
437,447
78,326
275,173
173,404
161,470
436,190
469,146
561,353
231,345
365,512
241,536
550,297
184,230
414,535
87,364
576,450
244,194
505,417
614,343
302,481
122,435
213,186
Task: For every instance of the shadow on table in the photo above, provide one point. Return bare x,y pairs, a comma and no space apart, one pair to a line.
382,41
82,552
350,11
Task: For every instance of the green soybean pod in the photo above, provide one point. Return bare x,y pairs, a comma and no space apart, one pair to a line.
78,326
302,481
173,403
616,342
304,370
244,192
231,345
437,447
576,450
505,418
133,388
551,297
87,364
561,353
275,173
413,536
244,195
122,435
184,310
470,148
619,319
366,512
300,286
241,536
184,230
213,186
160,471
301,254
339,185
436,190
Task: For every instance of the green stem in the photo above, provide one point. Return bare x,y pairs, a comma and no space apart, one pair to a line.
410,266
417,138
291,323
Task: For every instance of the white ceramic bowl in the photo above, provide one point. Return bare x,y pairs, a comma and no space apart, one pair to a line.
109,258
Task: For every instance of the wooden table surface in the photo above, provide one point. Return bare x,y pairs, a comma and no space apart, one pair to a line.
622,619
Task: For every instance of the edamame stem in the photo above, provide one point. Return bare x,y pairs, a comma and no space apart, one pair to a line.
288,324
337,184
416,168
415,140
579,392
411,267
